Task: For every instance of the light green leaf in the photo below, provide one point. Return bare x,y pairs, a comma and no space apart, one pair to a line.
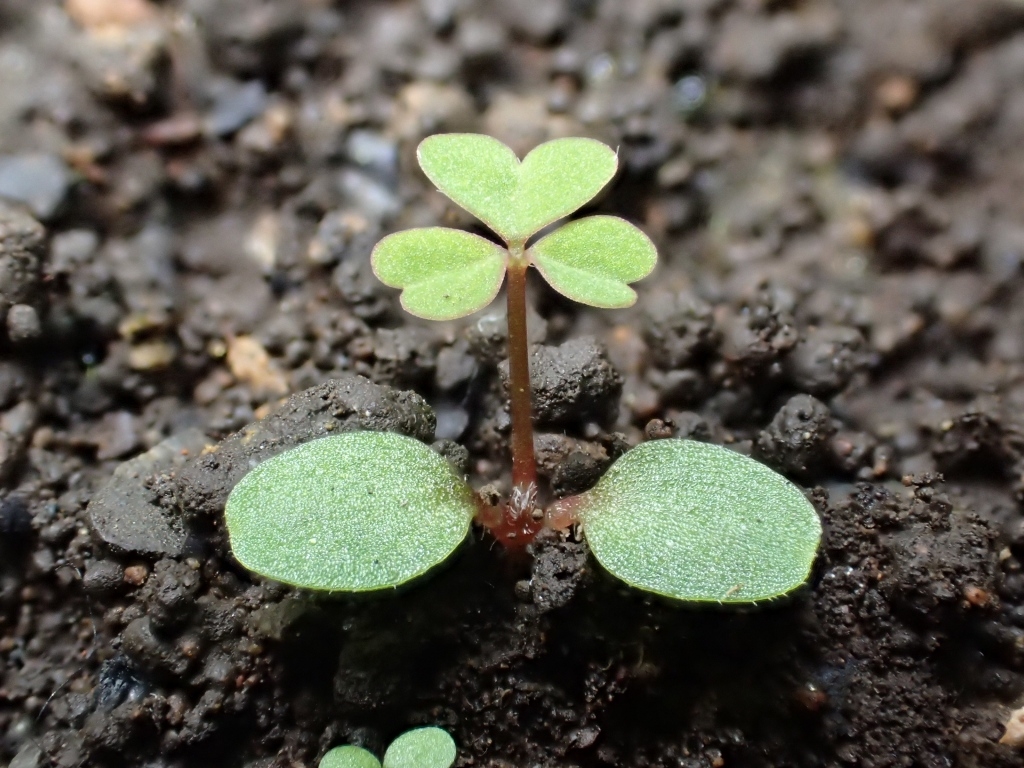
699,522
592,260
421,748
356,512
516,199
478,172
444,273
349,757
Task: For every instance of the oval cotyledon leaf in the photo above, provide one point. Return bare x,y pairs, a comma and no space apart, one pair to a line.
698,522
349,757
421,748
353,512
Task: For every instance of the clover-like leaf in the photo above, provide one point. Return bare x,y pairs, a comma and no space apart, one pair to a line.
421,748
443,273
698,522
591,260
356,512
349,757
516,199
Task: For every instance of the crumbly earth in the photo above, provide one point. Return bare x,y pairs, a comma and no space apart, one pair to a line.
189,192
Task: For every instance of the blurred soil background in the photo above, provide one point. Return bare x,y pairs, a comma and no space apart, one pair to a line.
189,192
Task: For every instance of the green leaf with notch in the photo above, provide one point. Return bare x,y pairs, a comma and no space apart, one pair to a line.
421,748
698,522
349,757
516,199
592,260
353,512
443,273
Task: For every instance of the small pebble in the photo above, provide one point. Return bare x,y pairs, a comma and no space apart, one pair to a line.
116,436
136,575
103,577
338,234
151,355
69,250
124,64
798,436
28,756
15,517
109,13
1014,725
374,152
250,363
656,429
23,323
689,94
452,421
976,596
40,181
235,105
897,93
16,426
825,359
374,198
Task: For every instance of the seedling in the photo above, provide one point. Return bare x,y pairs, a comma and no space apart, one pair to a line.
419,748
369,510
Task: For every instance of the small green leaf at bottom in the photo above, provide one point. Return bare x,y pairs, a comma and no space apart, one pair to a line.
592,260
421,748
349,757
443,273
698,522
352,512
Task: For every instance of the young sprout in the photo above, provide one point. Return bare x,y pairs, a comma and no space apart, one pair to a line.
418,748
369,510
447,273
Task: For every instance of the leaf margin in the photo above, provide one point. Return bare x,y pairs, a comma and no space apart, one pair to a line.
546,264
382,253
638,539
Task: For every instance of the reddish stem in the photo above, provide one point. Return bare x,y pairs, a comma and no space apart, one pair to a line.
519,519
524,464
564,513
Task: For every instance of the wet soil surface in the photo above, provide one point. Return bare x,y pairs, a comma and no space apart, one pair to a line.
189,191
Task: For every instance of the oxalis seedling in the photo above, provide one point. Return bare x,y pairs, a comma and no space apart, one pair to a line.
419,748
370,510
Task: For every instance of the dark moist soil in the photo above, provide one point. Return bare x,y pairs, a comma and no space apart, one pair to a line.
192,191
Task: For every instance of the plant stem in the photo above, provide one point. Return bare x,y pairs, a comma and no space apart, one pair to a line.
516,521
524,464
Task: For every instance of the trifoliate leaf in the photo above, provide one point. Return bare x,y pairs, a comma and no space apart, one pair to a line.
349,757
516,199
699,522
356,512
591,260
444,273
421,748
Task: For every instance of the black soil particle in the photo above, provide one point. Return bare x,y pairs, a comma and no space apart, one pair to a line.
341,405
572,383
797,437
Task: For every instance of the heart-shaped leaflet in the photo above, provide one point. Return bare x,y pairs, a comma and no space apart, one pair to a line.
516,199
592,260
443,273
